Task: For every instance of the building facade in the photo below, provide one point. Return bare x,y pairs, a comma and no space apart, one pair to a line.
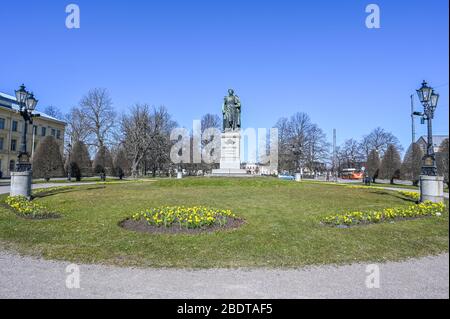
11,130
437,141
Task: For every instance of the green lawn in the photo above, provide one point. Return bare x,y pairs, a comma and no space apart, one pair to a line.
282,228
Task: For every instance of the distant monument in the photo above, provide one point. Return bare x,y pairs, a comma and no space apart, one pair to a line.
230,142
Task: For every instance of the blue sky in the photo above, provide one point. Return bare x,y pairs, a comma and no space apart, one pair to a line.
281,57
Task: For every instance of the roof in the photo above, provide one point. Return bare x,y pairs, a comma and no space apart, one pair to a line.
437,139
14,106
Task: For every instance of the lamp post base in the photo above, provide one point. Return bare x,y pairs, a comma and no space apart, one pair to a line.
431,188
21,184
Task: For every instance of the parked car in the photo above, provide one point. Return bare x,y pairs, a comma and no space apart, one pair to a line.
286,177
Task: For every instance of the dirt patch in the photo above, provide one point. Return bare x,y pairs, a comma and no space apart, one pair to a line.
143,227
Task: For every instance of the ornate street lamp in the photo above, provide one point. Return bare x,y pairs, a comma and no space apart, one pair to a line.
27,104
429,100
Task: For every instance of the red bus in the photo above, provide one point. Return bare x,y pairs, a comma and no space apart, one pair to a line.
352,173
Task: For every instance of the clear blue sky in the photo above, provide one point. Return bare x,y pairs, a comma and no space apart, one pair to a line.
280,56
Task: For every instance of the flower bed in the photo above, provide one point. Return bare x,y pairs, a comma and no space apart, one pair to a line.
425,209
28,209
412,195
180,218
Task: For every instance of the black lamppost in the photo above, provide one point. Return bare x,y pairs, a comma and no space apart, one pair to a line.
27,104
69,163
297,152
429,100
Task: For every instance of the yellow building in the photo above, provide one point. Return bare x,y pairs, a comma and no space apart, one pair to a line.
11,130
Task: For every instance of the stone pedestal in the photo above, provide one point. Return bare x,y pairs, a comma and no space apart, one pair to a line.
432,188
21,183
298,177
179,175
230,155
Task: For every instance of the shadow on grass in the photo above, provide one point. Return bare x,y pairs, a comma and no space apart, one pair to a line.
393,194
62,190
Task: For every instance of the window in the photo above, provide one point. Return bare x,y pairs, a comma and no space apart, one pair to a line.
14,126
44,131
13,145
35,129
2,124
12,163
1,143
53,132
58,134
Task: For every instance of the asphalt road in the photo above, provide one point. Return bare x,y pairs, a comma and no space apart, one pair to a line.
26,277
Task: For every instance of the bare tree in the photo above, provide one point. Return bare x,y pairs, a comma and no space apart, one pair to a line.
77,128
285,156
100,116
209,121
442,160
318,148
137,137
390,164
412,164
161,125
379,140
373,165
301,144
53,111
351,153
47,159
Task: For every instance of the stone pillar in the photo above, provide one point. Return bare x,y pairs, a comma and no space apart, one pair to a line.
298,177
21,184
431,188
179,175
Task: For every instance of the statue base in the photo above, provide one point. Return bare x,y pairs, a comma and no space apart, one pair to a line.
230,155
431,188
21,184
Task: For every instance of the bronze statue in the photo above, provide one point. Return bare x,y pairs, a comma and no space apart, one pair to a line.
231,110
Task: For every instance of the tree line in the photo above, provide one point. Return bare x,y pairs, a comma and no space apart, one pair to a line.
136,143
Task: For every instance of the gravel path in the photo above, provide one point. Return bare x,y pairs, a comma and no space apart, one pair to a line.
26,277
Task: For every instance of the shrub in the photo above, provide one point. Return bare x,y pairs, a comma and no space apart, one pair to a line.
121,164
103,163
47,160
187,217
80,156
390,164
412,164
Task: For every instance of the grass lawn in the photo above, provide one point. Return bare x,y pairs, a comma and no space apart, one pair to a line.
282,226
